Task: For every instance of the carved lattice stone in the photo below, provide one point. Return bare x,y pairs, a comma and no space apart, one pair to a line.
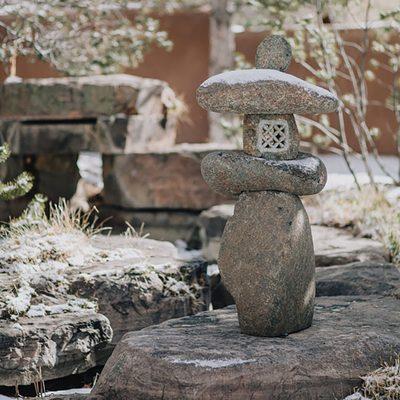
273,135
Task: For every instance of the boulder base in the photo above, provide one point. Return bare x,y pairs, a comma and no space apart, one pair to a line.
269,239
205,356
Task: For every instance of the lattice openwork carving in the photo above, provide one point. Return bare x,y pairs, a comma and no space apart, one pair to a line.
272,135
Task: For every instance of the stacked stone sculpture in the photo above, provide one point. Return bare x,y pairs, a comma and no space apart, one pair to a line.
267,257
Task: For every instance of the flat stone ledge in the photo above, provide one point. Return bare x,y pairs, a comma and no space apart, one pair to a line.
168,180
359,278
52,346
234,172
337,246
205,356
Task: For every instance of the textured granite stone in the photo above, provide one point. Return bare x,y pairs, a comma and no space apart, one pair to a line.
131,291
263,91
204,357
106,135
78,97
359,278
279,297
170,179
234,172
273,137
274,52
51,346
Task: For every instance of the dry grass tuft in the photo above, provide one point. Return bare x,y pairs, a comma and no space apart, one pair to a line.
368,213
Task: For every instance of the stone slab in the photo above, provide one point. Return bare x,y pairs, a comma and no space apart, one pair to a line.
234,172
121,299
106,135
168,180
51,347
145,282
205,356
337,246
359,278
78,97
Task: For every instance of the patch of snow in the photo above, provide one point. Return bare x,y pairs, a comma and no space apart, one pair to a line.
217,363
70,391
356,396
19,302
185,254
212,270
336,181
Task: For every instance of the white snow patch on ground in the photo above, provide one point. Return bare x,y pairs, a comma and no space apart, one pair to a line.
185,254
217,363
58,392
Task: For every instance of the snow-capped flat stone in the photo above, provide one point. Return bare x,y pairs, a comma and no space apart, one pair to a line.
263,91
205,356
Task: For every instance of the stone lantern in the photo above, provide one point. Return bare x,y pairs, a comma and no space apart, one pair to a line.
267,257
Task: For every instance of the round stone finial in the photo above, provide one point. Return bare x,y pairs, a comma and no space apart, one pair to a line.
274,52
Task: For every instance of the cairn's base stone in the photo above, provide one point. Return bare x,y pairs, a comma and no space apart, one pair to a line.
268,239
205,356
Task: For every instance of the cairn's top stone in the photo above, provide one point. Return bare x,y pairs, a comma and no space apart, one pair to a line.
274,52
265,89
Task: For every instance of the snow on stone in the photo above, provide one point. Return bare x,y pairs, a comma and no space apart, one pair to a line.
247,76
184,253
217,363
36,258
212,270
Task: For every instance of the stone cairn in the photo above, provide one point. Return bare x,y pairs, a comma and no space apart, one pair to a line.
267,257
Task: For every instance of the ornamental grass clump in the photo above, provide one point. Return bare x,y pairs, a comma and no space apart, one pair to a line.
367,212
383,383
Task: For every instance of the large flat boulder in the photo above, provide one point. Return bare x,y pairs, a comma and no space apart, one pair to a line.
335,246
51,346
137,292
170,179
106,135
67,298
206,357
359,278
78,97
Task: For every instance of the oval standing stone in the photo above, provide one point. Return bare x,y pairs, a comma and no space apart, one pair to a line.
268,238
